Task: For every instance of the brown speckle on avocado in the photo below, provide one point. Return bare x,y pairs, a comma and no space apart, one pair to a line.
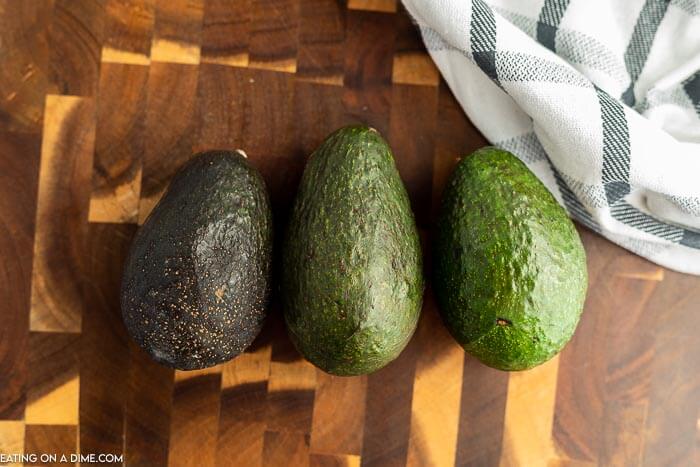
220,292
503,322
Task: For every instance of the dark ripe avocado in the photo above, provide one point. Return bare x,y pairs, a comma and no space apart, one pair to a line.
352,278
509,267
197,279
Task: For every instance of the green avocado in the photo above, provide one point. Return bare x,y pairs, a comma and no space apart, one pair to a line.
196,282
352,280
509,268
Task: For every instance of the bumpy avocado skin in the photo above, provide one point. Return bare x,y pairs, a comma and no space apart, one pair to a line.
509,271
352,267
197,279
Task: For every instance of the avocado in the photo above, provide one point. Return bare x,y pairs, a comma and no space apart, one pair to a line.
509,268
352,280
197,278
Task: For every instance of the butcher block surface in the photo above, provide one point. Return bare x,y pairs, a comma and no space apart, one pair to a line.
101,101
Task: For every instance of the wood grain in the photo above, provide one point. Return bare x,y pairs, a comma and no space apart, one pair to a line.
482,414
321,36
177,30
101,102
194,419
19,175
387,6
273,35
580,401
290,391
103,353
75,45
335,429
59,440
413,155
434,420
24,64
388,410
528,419
53,384
12,439
169,123
243,407
628,369
148,407
412,64
62,209
334,460
221,111
116,175
674,393
369,43
286,448
268,132
127,31
226,32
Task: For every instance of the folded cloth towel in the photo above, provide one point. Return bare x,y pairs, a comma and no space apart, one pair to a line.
600,98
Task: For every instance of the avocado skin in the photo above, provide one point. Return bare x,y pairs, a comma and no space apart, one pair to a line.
196,282
509,271
352,280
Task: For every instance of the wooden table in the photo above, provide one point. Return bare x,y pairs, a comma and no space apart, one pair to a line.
102,101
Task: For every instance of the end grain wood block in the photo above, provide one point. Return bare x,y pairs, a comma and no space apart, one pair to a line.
243,408
624,433
334,460
62,211
61,440
264,111
170,108
414,155
369,46
194,418
672,425
321,38
339,414
12,439
286,448
128,30
24,64
177,31
319,111
628,372
110,55
148,407
75,42
434,420
386,6
290,398
104,349
116,176
226,32
19,171
221,107
53,385
274,35
414,68
481,413
455,137
530,414
388,410
580,401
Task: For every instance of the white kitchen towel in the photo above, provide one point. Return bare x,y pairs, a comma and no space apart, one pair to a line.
600,98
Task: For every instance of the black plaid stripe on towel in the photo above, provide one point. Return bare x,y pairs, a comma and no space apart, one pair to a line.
600,98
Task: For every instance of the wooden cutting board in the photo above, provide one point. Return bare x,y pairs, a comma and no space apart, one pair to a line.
102,101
